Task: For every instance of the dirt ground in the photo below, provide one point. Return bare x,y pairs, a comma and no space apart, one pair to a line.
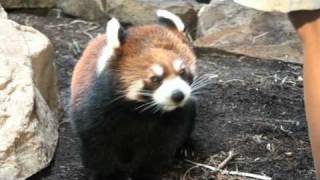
254,107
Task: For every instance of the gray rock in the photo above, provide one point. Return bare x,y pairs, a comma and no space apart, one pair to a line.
29,106
226,25
14,4
131,11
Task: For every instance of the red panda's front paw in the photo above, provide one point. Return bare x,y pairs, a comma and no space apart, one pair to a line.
186,150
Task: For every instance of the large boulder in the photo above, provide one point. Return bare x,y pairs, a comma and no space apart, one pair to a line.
13,4
284,6
131,11
226,25
29,106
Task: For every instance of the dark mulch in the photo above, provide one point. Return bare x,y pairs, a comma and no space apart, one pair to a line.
254,107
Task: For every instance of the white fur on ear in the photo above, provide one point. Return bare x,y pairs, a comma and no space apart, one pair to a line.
170,16
113,42
113,27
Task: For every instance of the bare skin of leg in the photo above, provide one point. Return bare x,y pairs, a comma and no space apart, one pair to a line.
307,24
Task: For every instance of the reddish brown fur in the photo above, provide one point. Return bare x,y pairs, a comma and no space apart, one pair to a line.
162,45
134,57
85,70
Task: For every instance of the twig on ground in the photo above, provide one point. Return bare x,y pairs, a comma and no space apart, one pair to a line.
76,47
59,25
214,169
233,80
284,80
244,174
235,173
92,28
188,171
231,155
88,34
80,21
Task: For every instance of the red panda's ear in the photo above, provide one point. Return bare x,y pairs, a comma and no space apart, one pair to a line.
115,37
171,20
115,33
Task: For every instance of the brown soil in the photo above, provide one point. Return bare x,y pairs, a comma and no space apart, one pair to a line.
254,107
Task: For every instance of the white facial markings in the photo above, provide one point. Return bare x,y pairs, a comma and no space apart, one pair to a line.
163,94
113,27
178,64
134,90
174,18
158,70
193,68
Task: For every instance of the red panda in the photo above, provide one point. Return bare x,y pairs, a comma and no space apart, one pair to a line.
131,98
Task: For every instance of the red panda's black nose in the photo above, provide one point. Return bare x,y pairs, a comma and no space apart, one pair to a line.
177,96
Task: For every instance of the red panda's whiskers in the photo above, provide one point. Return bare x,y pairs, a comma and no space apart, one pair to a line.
200,84
146,94
157,108
149,105
146,91
144,105
199,80
197,83
117,98
203,79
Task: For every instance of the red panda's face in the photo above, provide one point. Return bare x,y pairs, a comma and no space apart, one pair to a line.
173,84
158,75
155,63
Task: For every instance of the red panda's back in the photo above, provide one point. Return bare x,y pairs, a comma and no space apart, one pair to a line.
85,71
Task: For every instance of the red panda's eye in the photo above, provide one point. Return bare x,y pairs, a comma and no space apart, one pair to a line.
156,79
182,72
